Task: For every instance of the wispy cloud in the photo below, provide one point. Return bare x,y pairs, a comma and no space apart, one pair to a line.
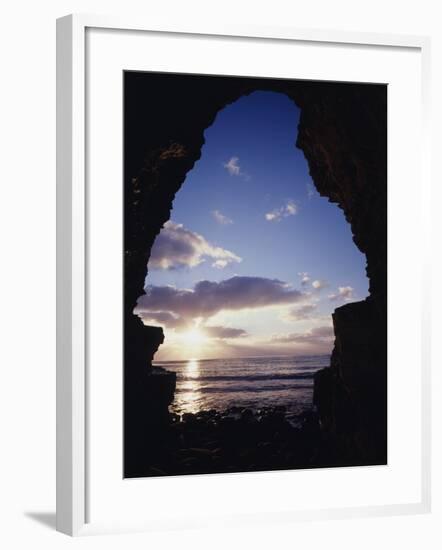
233,167
276,215
221,218
221,332
305,278
324,334
221,263
177,247
318,284
311,191
301,313
344,293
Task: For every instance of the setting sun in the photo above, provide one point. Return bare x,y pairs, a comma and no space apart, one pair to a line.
195,337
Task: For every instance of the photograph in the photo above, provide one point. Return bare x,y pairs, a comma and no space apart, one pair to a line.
226,217
254,274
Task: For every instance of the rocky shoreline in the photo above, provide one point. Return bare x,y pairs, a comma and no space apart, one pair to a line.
237,440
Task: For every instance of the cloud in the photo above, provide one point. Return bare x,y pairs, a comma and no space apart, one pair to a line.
316,335
301,313
221,218
163,318
172,321
221,264
207,298
276,215
304,278
310,190
224,332
344,293
318,284
177,247
233,167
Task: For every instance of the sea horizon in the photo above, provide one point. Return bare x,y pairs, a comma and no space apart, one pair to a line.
161,362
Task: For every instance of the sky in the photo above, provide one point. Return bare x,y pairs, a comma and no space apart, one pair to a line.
253,261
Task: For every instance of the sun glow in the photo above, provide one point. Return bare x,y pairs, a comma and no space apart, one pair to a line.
191,344
194,337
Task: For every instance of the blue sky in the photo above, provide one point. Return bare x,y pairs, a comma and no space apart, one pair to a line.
248,213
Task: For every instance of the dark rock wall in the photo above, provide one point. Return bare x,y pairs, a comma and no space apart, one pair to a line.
342,132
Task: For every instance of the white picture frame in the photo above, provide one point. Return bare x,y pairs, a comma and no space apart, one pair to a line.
73,454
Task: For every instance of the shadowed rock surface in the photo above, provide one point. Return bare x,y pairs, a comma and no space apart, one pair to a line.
342,133
239,439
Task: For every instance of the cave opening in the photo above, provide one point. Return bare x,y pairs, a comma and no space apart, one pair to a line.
342,138
244,276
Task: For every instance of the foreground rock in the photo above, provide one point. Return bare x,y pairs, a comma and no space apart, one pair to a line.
237,440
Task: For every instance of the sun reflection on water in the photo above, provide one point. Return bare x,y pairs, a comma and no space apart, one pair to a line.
192,368
187,401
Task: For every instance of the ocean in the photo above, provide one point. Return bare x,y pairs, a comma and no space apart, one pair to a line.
252,382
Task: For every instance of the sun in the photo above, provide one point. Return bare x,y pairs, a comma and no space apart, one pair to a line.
194,337
194,341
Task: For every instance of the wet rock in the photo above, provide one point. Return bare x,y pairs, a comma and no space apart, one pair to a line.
189,418
248,416
175,418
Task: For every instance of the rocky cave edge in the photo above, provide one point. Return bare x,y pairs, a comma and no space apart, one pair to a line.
343,134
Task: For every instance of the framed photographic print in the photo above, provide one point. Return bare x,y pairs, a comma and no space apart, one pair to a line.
234,252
